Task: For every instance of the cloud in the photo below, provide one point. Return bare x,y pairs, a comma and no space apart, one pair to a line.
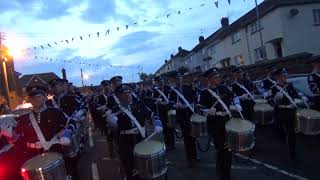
140,41
99,11
55,9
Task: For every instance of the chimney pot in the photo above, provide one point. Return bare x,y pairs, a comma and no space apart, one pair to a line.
225,22
201,39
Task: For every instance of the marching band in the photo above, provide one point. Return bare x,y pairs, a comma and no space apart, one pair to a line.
124,112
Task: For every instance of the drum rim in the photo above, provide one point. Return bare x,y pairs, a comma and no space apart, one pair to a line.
55,164
162,151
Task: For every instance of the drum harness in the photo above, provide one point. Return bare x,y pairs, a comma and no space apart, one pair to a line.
186,102
245,89
43,143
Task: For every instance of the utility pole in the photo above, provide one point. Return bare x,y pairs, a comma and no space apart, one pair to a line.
3,60
82,77
259,25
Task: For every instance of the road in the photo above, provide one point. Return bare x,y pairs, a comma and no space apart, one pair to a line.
268,160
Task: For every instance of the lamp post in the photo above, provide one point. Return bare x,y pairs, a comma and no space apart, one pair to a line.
3,61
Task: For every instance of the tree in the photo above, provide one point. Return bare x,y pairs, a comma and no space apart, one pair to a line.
183,70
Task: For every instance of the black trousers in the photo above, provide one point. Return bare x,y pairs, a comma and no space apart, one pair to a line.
286,123
216,128
183,117
316,102
248,110
126,146
168,132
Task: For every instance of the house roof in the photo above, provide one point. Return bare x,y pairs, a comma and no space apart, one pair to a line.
35,79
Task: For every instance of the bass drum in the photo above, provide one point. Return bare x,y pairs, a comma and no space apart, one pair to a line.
198,125
49,166
240,134
261,101
308,121
150,159
263,114
172,118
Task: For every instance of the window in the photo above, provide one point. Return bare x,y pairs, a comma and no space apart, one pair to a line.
238,60
236,37
260,53
255,27
316,16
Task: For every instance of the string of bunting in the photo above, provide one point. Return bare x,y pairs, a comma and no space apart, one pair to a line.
126,27
77,62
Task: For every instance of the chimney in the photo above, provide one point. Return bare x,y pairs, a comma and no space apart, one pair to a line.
64,75
171,56
180,49
165,61
225,22
201,39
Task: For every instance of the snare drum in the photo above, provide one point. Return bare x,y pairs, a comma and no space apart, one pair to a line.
172,118
198,125
49,166
240,134
263,114
308,121
150,159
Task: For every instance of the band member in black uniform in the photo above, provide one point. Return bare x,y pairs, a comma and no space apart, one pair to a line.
243,88
160,101
314,82
183,104
101,106
217,115
130,131
51,123
283,94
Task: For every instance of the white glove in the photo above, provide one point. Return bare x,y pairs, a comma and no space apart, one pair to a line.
238,107
266,94
278,96
102,108
212,111
7,123
304,98
244,97
158,129
64,141
112,119
179,105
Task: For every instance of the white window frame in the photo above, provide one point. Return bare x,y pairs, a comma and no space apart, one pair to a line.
254,27
236,36
260,53
316,16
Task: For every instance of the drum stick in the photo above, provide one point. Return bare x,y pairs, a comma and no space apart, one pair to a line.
149,137
241,115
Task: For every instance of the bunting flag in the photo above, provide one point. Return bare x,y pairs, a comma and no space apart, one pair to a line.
217,4
126,27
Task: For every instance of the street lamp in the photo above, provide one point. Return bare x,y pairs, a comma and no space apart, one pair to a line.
3,59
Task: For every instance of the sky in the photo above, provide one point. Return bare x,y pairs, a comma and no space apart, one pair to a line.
156,28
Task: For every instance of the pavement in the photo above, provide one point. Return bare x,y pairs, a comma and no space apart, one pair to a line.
268,160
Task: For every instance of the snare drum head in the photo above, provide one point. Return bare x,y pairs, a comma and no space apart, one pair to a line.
198,118
42,161
310,113
149,147
172,112
239,125
263,107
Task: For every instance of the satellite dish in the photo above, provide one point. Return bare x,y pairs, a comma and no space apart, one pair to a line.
294,12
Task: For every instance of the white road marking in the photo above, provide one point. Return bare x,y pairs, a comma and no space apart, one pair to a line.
90,137
273,168
95,173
